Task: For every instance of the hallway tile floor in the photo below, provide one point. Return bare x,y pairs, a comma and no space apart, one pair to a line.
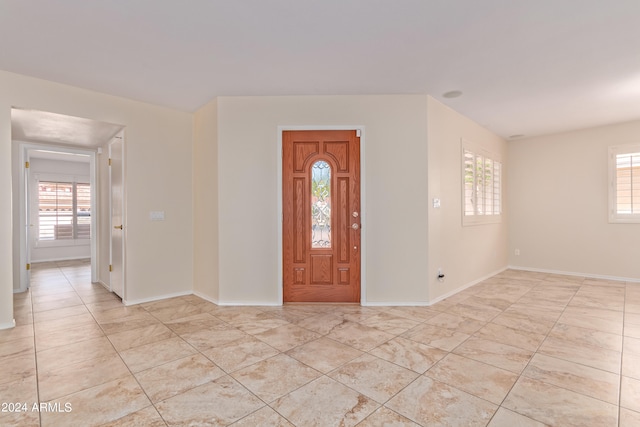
519,349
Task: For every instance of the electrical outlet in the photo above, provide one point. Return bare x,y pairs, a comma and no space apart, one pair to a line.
517,252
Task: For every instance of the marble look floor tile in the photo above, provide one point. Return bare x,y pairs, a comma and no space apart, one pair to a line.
325,402
527,322
216,403
629,418
593,299
205,339
456,323
631,365
261,324
445,339
72,335
197,322
47,316
589,318
588,336
17,347
374,377
18,332
58,296
272,378
123,311
69,354
630,393
147,417
582,353
170,379
432,403
409,354
287,336
324,354
506,418
572,376
387,418
140,336
597,313
178,312
63,323
263,417
514,337
559,407
631,330
95,307
61,303
361,337
632,318
474,310
128,323
503,356
15,368
61,381
321,323
632,345
98,405
25,392
157,353
476,378
240,353
390,323
419,314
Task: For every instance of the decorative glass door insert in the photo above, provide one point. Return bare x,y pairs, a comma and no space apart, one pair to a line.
321,205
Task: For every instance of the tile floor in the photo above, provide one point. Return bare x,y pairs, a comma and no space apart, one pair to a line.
520,349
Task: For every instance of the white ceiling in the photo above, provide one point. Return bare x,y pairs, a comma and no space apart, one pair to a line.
525,67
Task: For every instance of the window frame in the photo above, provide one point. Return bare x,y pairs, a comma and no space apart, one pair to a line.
616,217
60,179
479,217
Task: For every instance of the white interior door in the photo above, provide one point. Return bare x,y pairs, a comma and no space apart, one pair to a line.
116,174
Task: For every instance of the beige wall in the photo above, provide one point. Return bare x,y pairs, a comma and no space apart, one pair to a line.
159,148
465,254
395,200
6,231
205,201
558,196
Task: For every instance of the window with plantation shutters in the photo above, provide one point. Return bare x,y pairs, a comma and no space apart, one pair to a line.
624,177
64,211
481,186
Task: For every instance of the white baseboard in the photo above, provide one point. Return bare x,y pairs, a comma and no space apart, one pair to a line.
8,325
395,304
571,273
249,303
20,290
156,298
206,297
466,286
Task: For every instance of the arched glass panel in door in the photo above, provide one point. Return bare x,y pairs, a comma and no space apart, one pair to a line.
320,205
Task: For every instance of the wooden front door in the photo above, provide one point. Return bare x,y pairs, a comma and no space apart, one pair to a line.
321,216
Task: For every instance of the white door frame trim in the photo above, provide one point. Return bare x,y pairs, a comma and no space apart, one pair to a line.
363,216
25,147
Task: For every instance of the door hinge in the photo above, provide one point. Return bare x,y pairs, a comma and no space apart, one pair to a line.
26,165
110,267
109,161
28,266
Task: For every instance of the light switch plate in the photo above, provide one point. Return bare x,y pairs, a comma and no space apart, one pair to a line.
436,203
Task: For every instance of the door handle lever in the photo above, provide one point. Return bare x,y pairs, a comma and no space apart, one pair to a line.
119,227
